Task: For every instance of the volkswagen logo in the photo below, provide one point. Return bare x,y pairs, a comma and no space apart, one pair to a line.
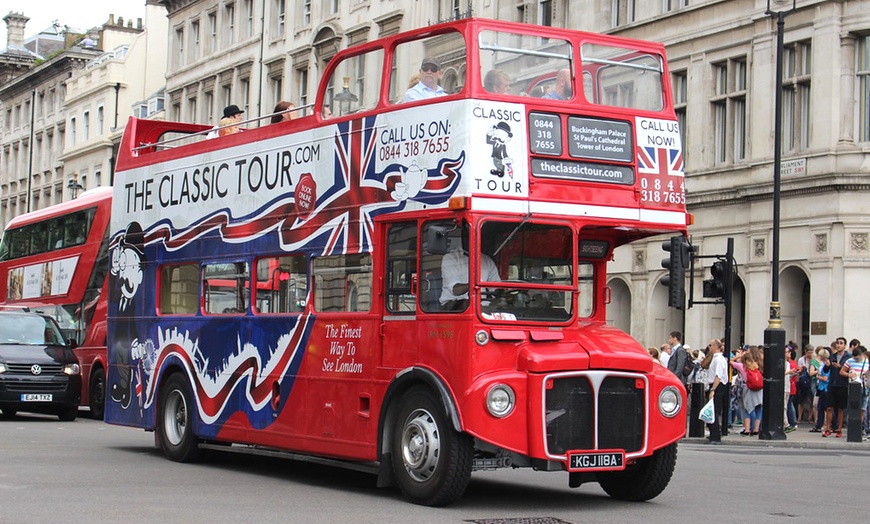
36,369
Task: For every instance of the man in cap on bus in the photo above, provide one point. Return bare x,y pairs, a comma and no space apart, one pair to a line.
427,87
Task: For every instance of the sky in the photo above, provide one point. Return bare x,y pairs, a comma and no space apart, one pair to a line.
78,15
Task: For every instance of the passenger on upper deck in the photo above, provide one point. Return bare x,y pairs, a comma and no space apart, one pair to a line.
427,87
497,81
283,112
562,88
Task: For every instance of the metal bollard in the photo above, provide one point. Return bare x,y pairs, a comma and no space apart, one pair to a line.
696,402
853,410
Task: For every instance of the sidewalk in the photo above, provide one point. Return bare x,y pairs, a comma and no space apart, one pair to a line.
799,438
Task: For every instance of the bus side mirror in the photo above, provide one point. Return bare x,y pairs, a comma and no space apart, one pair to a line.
437,240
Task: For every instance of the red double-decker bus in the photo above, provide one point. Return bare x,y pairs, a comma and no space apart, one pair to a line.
410,280
54,260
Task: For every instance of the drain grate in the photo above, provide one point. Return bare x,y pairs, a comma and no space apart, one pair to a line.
521,520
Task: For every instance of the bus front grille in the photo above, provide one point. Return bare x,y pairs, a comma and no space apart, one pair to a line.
575,408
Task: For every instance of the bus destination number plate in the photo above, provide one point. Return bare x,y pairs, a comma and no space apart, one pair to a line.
599,460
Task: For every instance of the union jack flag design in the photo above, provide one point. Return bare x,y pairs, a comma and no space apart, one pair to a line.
342,219
660,161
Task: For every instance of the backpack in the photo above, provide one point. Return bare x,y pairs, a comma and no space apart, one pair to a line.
690,366
804,382
754,379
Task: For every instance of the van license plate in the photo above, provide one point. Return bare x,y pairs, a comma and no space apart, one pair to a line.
33,397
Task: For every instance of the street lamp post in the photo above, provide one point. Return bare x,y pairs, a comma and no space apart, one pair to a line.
74,186
774,336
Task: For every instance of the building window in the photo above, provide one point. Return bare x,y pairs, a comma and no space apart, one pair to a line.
306,12
864,83
208,110
330,7
248,6
191,109
623,12
179,49
279,18
681,103
276,86
229,24
545,12
72,131
729,111
302,86
672,5
212,32
86,126
100,119
245,86
796,75
194,40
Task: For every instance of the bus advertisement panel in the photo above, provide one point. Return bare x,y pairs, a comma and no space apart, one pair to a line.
415,287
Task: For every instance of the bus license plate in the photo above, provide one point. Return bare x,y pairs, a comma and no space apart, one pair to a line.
33,397
599,460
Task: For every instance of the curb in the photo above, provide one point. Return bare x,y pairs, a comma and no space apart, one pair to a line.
838,444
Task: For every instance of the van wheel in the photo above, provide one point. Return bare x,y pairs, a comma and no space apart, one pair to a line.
175,420
431,461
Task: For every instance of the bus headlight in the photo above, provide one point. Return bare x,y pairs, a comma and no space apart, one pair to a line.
500,400
71,369
670,402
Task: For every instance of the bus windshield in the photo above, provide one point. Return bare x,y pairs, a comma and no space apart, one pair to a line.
535,271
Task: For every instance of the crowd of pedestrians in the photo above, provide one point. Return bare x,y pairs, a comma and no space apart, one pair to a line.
816,383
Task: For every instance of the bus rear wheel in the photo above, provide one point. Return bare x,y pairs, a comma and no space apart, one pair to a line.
642,481
175,420
431,461
97,394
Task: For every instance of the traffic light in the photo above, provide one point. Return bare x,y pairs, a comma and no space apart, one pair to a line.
676,264
715,287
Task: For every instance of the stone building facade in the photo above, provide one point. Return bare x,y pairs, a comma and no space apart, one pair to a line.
722,54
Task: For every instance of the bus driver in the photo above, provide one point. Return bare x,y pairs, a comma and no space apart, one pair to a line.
454,275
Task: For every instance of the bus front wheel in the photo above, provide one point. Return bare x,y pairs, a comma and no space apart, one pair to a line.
642,481
175,420
431,461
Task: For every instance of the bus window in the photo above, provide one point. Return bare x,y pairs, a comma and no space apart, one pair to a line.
282,284
225,287
350,88
401,267
436,260
342,282
623,77
530,63
179,290
536,263
446,51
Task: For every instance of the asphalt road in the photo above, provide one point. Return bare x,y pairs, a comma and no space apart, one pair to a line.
87,471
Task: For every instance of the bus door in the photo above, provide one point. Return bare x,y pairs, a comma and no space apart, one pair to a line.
401,287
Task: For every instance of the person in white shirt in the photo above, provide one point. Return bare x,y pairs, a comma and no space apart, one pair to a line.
454,275
717,378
